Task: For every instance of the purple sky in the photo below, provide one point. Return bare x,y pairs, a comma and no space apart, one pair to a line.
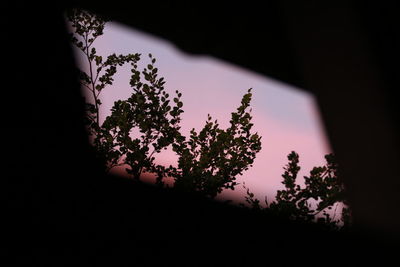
286,117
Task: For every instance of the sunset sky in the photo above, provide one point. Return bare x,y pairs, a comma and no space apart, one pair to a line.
287,118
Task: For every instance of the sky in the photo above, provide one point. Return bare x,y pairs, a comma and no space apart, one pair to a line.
286,117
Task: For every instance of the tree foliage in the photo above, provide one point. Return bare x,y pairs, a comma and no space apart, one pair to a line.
210,160
323,191
149,121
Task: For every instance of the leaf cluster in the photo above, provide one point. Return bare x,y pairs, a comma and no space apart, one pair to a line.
148,111
210,160
322,186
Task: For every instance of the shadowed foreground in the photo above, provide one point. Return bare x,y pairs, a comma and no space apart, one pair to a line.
119,222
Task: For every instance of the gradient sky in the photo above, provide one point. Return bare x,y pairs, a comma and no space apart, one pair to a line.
286,117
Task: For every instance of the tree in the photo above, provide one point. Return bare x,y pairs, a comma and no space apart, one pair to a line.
322,186
208,162
211,159
147,110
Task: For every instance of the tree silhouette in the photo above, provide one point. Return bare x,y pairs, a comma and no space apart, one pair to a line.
209,160
322,186
147,110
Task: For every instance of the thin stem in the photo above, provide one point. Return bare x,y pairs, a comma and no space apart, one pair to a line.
87,53
115,165
320,210
155,138
98,72
90,89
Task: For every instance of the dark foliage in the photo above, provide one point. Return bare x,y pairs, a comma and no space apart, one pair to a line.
208,162
322,194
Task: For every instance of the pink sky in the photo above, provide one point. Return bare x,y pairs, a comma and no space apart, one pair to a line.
287,118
